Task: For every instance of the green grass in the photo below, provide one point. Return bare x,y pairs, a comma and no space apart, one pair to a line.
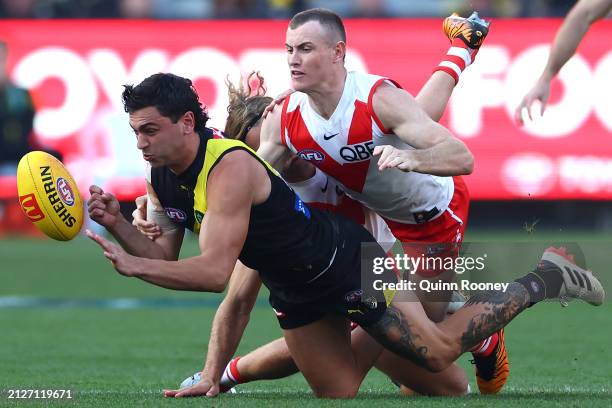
124,358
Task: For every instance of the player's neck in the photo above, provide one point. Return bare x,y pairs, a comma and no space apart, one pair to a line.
326,97
187,155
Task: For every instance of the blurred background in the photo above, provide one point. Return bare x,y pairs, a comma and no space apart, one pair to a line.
62,64
214,9
70,321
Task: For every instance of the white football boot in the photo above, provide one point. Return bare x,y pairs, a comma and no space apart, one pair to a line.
578,283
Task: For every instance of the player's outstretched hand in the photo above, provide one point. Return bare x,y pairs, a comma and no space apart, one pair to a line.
277,101
148,228
123,262
205,387
539,92
390,157
103,207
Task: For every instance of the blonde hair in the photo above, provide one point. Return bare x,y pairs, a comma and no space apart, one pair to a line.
246,105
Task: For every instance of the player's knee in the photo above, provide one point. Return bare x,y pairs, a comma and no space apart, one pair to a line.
337,394
456,386
346,390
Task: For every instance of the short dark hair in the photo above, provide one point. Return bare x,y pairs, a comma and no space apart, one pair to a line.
325,17
170,94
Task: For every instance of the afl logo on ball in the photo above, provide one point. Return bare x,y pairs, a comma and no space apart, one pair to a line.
65,192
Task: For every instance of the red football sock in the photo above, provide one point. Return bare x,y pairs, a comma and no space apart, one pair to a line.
458,57
486,347
231,376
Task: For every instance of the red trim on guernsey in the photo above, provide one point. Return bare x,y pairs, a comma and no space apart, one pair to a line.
371,107
284,121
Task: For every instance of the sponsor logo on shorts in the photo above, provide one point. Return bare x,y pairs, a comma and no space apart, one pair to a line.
311,155
279,314
65,191
176,214
30,207
370,302
301,207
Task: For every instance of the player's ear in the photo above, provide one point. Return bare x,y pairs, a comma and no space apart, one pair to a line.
188,120
339,51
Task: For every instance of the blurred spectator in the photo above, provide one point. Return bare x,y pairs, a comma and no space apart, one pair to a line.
18,8
279,8
184,9
369,8
200,9
491,8
16,119
136,8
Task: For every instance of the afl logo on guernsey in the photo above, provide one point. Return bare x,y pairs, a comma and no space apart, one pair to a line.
65,192
311,155
175,214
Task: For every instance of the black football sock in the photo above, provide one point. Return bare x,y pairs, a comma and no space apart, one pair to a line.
543,283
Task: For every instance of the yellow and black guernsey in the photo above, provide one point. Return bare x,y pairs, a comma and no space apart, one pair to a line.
296,249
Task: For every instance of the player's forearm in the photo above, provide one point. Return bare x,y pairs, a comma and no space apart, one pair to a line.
134,242
228,327
448,158
199,273
566,42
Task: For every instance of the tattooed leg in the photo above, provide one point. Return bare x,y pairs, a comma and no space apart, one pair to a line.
487,312
405,329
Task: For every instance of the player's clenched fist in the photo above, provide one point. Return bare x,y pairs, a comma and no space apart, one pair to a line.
103,207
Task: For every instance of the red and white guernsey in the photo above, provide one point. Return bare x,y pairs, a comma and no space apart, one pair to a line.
342,147
323,192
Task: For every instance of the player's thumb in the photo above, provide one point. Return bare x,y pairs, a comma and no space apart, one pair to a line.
95,189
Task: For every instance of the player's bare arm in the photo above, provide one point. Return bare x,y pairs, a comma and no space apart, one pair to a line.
435,152
271,148
573,29
103,208
227,329
222,234
169,234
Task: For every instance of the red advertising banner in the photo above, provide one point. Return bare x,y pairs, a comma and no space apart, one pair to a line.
75,70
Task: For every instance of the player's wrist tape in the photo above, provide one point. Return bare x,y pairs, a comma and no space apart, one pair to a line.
455,61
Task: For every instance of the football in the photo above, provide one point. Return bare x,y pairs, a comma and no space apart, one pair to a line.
48,195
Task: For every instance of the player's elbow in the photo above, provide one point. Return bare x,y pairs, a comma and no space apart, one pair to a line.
465,160
215,284
468,165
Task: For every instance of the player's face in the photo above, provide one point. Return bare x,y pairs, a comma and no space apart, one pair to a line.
310,54
157,137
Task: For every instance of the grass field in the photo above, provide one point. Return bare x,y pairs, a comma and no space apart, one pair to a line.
68,321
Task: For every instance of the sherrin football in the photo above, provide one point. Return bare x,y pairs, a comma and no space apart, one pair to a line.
48,195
